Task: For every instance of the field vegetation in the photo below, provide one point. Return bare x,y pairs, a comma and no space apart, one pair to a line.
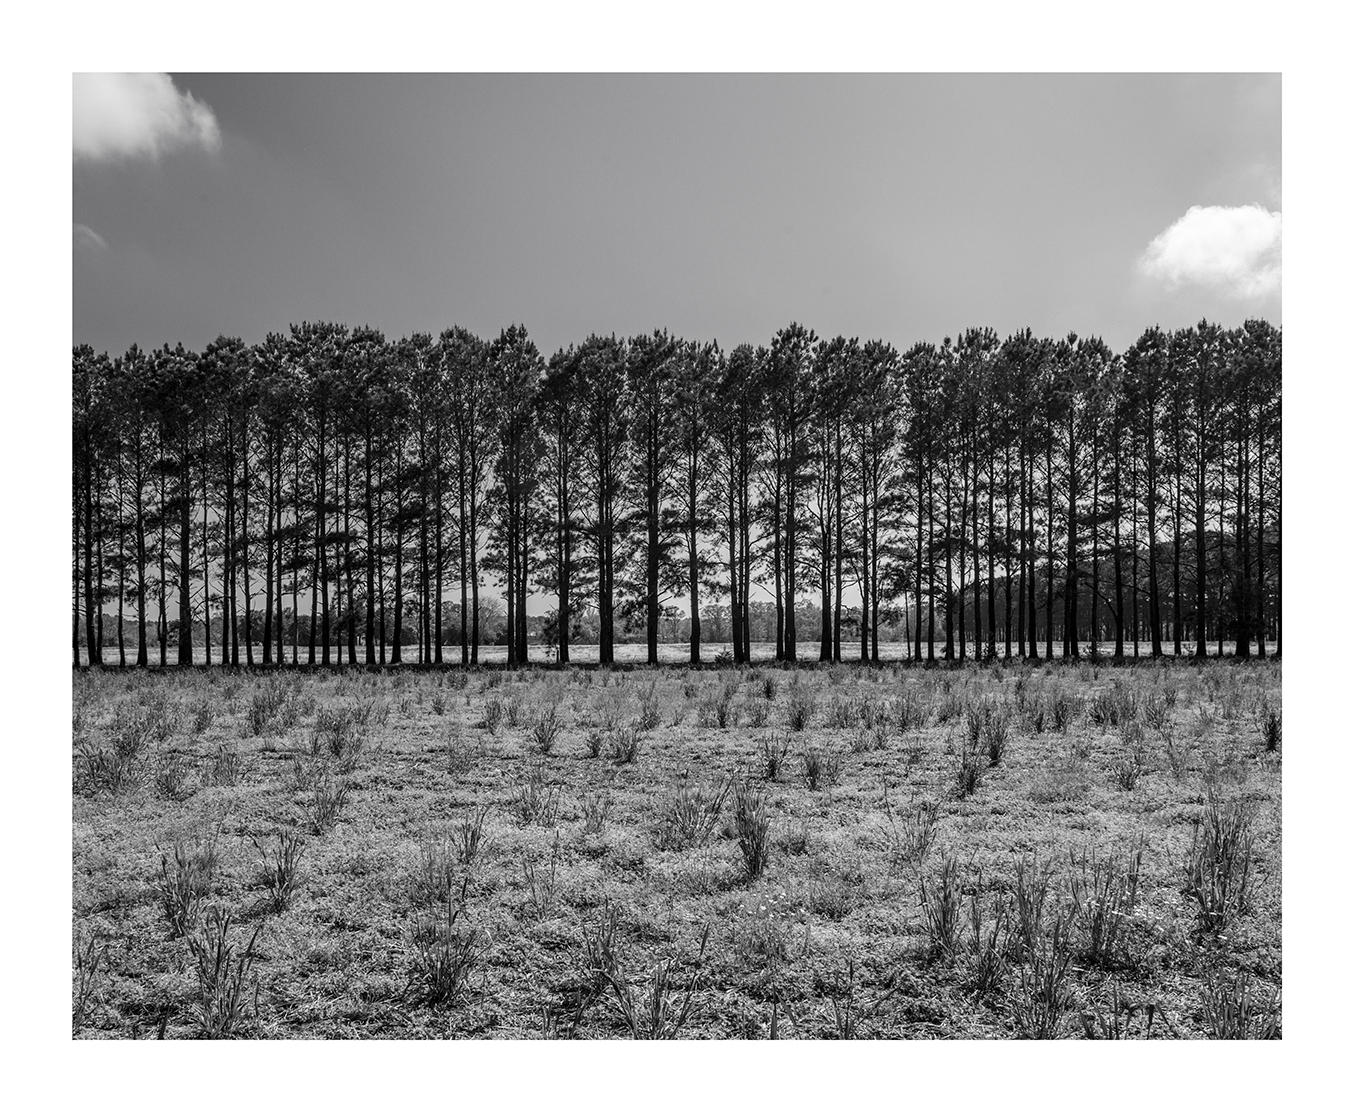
1036,850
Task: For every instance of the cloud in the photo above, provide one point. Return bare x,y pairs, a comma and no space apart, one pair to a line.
137,115
87,239
1235,250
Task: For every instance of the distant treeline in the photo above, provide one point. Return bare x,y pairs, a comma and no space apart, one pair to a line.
331,496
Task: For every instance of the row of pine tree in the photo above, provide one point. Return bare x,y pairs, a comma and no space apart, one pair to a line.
331,496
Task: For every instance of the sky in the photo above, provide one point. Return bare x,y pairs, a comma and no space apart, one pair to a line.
720,207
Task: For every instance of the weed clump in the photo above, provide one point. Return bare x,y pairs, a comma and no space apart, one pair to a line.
691,816
1218,867
185,882
1104,899
625,745
819,769
537,800
446,952
753,827
545,731
221,976
802,706
281,869
1235,1009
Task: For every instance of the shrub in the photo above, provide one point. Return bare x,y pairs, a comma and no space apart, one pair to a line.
221,976
820,769
1233,1009
691,816
281,869
1104,898
1218,868
753,825
186,882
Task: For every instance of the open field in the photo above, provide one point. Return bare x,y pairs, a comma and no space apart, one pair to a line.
982,852
627,652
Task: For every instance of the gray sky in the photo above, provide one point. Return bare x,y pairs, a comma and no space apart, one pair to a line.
904,208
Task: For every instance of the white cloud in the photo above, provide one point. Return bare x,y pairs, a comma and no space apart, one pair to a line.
137,115
1235,250
87,239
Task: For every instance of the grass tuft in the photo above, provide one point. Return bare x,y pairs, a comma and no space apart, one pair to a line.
221,976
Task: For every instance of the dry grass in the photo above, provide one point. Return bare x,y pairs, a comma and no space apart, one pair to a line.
994,851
